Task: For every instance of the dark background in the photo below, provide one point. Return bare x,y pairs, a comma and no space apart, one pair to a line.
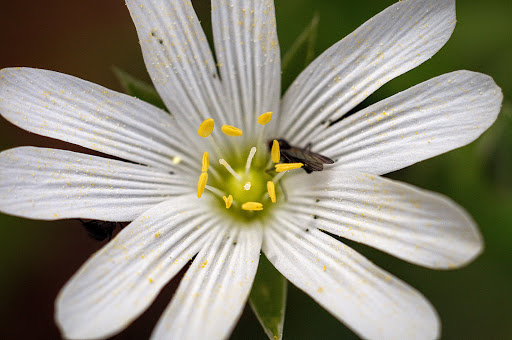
86,38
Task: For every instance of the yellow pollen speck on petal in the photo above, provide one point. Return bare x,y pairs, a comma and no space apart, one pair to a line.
275,153
206,127
176,160
288,166
228,200
271,191
150,280
206,162
231,131
324,268
201,184
265,118
204,264
252,206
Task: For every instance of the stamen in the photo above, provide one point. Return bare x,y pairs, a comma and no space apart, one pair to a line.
206,162
228,200
213,143
247,186
206,127
252,206
278,177
249,160
231,131
275,153
288,166
230,169
215,191
201,184
263,119
176,160
271,188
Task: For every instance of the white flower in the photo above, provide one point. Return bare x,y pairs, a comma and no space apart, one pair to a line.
157,187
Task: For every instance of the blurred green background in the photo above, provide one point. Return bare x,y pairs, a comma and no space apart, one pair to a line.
86,38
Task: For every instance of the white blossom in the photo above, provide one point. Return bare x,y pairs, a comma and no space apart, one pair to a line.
164,172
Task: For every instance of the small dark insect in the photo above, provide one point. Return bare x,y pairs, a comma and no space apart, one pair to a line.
291,154
99,230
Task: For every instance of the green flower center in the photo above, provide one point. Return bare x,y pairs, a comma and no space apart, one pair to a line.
245,187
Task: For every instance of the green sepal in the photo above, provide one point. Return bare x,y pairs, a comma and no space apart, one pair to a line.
306,39
138,88
268,298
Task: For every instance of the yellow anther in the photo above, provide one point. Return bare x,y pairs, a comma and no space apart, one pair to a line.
206,127
231,131
265,118
228,200
252,206
206,162
288,166
271,188
275,153
201,184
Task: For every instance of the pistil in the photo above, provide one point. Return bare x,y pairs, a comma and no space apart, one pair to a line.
230,169
249,160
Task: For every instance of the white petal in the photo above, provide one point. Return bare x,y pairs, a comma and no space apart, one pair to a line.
391,43
370,301
179,59
52,184
213,292
413,224
120,281
247,50
424,121
74,110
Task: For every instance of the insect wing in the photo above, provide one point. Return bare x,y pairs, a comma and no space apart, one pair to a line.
320,158
297,155
312,161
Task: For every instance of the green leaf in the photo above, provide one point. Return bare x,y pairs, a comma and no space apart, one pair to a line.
138,88
306,39
268,298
